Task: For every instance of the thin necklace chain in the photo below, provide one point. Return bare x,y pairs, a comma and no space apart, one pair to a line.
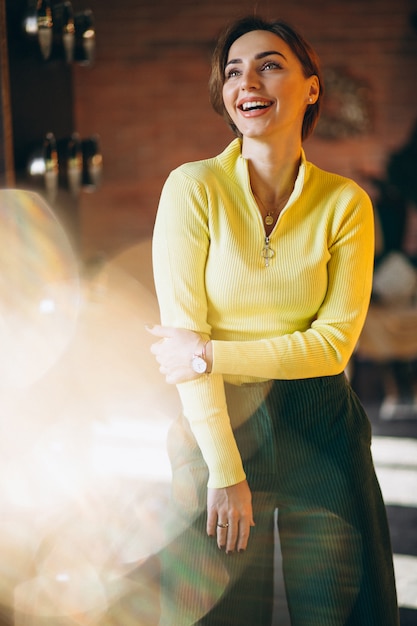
269,218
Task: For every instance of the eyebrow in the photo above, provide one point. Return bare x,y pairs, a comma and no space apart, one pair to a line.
260,55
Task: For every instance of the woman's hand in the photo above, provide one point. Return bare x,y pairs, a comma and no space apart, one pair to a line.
229,516
175,351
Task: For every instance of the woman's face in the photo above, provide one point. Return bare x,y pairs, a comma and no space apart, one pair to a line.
265,91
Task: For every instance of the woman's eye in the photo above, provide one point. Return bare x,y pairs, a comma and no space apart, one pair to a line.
232,73
271,65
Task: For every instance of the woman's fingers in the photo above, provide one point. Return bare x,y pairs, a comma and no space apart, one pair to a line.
233,536
243,536
229,516
160,331
174,351
221,535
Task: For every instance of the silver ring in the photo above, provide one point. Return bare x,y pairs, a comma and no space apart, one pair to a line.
223,525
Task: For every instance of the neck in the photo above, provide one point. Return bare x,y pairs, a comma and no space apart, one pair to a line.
272,170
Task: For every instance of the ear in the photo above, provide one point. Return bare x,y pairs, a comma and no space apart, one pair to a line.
314,89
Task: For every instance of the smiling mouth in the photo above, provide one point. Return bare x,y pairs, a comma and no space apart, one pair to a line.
255,105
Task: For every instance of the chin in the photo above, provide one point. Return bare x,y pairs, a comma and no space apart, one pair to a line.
251,134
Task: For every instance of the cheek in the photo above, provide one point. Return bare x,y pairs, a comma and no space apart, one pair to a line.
228,99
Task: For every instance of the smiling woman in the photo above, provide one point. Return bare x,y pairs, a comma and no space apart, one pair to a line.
258,86
263,271
293,42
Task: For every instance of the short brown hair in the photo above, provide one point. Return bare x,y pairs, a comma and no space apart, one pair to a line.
300,47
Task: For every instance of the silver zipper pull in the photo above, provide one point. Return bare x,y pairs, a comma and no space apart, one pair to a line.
267,252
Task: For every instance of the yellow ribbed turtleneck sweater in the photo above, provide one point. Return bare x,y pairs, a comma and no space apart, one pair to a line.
298,317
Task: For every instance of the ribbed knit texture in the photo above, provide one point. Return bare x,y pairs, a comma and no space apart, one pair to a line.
300,317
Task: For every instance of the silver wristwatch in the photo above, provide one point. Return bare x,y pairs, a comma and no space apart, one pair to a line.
198,362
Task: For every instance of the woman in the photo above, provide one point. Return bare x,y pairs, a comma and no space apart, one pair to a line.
263,269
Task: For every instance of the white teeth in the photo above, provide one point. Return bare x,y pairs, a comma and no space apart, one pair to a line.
246,106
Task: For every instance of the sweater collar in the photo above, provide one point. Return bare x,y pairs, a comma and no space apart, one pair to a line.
236,167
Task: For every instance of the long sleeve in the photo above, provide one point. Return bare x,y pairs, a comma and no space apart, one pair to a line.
180,248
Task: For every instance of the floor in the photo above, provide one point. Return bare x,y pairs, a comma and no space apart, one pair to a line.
85,477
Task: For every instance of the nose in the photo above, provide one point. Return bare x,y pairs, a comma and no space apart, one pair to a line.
250,80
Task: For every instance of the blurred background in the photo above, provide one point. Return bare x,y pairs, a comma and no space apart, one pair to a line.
99,101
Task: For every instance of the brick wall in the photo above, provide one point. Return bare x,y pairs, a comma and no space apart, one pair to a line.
146,95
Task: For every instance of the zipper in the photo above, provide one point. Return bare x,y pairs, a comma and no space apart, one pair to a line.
267,251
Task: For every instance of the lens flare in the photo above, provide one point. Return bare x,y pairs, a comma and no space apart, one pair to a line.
84,412
39,288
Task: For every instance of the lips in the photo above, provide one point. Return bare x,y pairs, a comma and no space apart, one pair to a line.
254,105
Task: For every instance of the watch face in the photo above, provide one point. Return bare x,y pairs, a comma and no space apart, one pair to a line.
198,364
